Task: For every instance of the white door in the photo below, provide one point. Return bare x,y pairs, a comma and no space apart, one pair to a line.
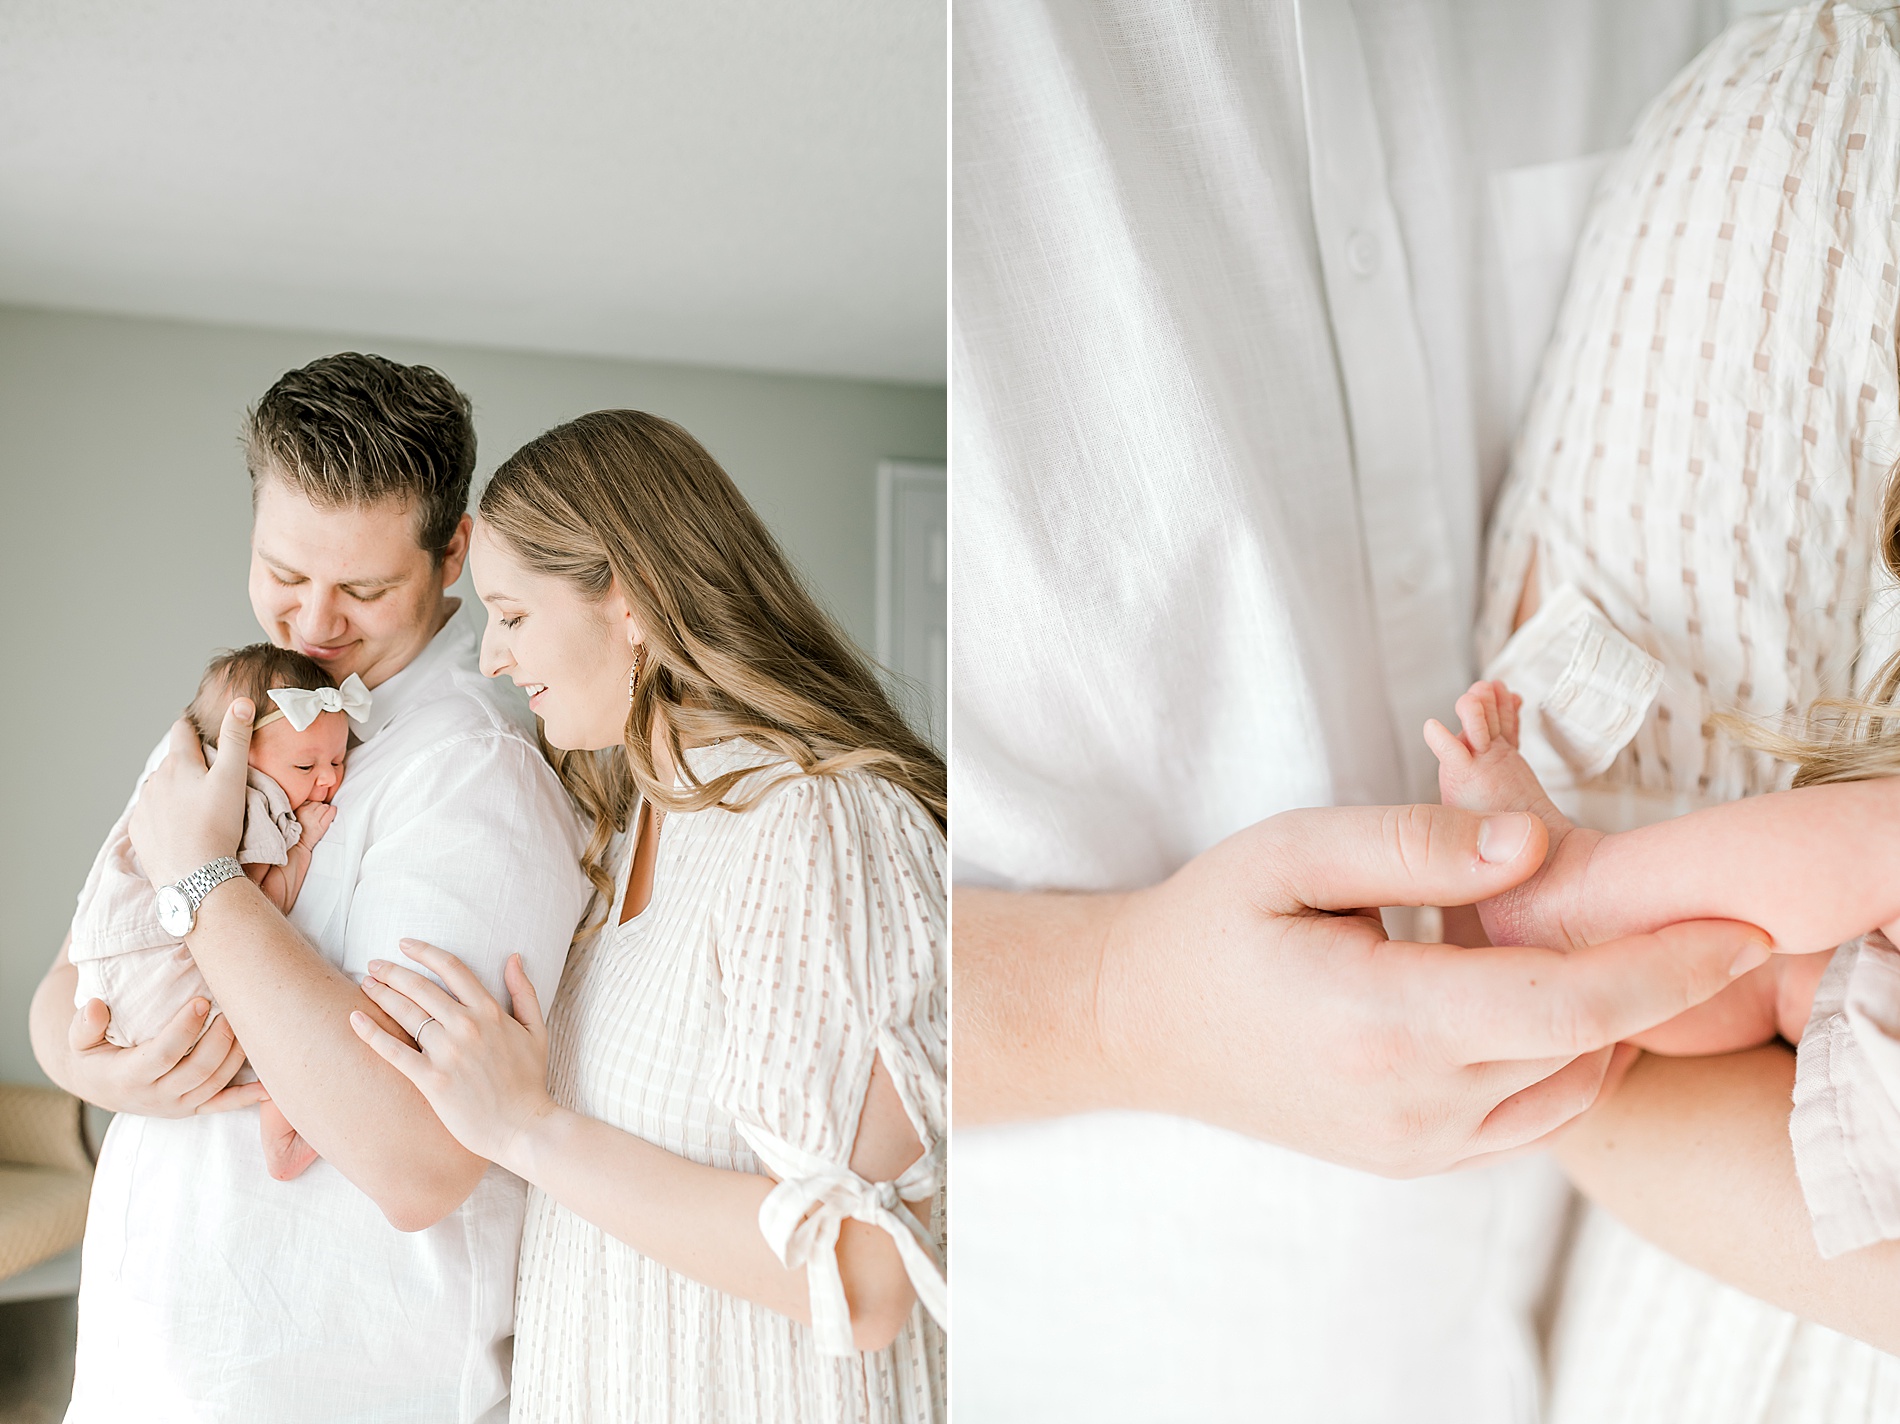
913,567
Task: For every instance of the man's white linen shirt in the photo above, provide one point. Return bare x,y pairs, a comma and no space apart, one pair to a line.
1237,337
210,1292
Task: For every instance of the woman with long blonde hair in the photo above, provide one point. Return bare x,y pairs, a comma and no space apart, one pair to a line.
732,1120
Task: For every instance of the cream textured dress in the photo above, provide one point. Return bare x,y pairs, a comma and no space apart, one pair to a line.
1699,481
735,1022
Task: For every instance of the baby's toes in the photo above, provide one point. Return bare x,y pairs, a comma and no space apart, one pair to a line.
1453,755
1476,720
1510,708
1495,696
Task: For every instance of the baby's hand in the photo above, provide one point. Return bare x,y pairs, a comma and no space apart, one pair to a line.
315,817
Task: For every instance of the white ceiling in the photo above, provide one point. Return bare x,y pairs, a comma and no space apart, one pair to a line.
727,182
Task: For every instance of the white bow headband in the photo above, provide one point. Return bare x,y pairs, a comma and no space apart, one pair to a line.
300,706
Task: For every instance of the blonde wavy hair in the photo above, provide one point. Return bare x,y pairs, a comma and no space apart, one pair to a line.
734,644
1843,738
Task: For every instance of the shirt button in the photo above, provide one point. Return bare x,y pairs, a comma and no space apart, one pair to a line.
1362,253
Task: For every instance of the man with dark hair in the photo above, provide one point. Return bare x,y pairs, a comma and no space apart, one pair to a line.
381,1283
354,429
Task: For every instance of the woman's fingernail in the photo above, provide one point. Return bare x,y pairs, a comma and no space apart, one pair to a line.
376,966
1500,838
242,709
200,1007
1753,957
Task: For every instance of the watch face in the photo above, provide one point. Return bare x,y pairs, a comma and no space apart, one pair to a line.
174,912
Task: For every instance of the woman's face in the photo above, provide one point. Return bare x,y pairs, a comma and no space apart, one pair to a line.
572,656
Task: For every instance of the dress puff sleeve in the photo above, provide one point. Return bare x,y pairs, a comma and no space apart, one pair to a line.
831,959
1845,1125
1586,687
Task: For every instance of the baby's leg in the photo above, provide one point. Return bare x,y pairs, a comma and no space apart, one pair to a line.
291,875
1482,770
1772,1000
270,879
1797,977
1743,1015
285,1153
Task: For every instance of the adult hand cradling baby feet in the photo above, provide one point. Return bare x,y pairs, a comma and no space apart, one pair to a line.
1481,769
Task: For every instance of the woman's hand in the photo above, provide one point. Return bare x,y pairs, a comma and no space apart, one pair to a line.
483,1070
188,816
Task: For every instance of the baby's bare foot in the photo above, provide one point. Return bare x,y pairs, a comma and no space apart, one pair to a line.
1482,770
286,1154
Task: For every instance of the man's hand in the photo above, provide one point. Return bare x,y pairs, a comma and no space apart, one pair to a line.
1251,990
186,1069
188,816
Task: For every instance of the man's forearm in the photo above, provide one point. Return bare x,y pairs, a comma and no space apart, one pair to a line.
1027,971
291,1010
1693,1154
49,1021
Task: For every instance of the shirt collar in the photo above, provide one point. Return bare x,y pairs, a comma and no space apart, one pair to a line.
448,649
727,754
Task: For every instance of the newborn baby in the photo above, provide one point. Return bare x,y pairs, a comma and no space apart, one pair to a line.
122,954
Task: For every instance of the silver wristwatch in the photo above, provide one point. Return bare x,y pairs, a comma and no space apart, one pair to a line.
178,904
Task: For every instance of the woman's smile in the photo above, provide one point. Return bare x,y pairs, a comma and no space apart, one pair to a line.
537,618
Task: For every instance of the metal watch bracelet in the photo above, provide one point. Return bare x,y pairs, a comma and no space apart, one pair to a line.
178,902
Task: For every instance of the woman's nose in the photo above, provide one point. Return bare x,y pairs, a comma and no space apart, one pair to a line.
494,658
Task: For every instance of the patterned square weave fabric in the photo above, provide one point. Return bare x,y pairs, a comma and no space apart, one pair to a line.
1717,411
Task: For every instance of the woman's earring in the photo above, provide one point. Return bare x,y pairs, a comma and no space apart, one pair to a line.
633,673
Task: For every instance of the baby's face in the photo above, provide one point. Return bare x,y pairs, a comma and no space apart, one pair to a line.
307,764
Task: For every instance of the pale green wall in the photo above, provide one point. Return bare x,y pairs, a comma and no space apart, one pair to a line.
124,519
